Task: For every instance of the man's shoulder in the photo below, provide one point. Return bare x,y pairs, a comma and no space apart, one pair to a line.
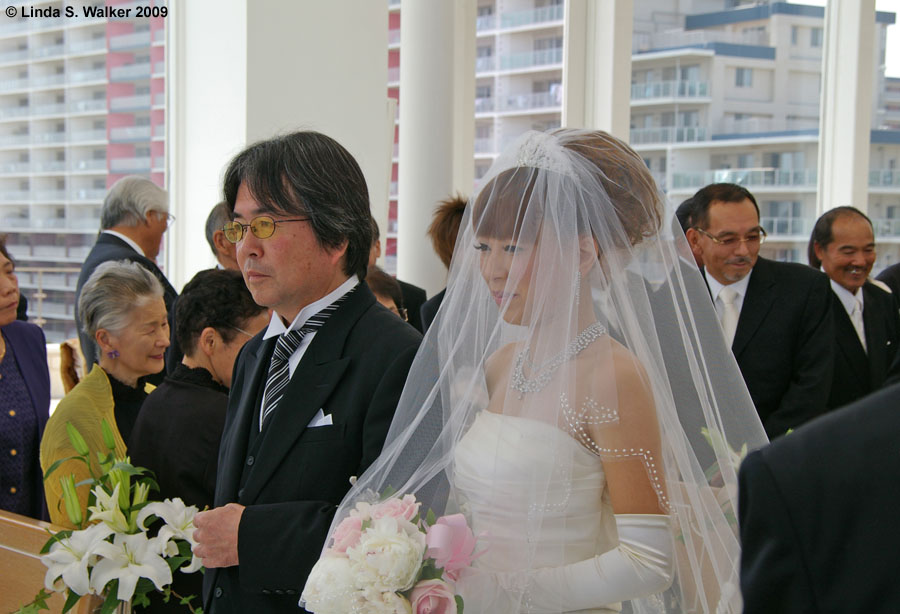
874,292
382,326
792,271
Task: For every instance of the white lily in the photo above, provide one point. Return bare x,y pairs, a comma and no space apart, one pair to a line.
179,519
70,558
129,558
107,510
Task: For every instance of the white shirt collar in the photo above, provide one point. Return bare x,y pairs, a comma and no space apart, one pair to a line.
739,286
276,325
848,299
130,242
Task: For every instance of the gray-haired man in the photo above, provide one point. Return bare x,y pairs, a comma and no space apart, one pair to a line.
134,216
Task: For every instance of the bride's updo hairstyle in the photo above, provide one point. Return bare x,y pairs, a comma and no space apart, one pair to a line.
587,160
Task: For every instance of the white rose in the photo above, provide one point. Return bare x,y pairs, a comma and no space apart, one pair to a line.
330,588
389,555
377,602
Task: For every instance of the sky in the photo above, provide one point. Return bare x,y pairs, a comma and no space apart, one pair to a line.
892,53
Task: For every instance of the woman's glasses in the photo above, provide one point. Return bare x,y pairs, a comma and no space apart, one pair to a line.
262,227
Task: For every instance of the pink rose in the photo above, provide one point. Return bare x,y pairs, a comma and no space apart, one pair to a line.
406,508
432,597
347,534
451,544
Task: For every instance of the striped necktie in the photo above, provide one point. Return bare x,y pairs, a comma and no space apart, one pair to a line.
279,368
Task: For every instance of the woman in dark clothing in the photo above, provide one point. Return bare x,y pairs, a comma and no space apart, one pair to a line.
24,399
178,431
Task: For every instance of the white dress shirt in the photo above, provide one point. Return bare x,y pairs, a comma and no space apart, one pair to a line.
277,327
849,301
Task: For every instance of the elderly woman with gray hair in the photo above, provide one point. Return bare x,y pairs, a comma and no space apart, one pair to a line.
124,315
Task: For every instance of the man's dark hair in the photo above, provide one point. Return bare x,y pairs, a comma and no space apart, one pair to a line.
823,232
685,214
724,192
311,175
216,298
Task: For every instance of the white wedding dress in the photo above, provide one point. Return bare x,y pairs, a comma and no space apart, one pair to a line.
495,461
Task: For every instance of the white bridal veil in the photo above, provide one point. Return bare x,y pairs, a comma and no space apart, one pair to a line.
575,378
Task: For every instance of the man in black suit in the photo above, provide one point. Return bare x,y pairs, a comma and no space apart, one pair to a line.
818,514
866,320
134,216
776,316
312,396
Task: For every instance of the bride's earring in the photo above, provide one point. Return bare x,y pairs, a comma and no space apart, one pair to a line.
577,287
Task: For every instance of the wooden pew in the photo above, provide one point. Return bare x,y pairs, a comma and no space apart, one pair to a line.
21,570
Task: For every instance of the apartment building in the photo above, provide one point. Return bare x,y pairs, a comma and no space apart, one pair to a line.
82,103
721,90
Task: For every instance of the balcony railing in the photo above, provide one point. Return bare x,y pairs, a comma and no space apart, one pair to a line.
545,57
668,134
517,19
10,112
884,179
394,36
132,71
48,109
484,105
130,133
88,194
119,165
669,89
541,100
886,227
786,226
485,64
87,165
125,41
753,125
751,177
86,106
45,52
47,80
94,44
14,84
487,145
394,74
128,103
87,75
486,22
694,38
14,56
87,135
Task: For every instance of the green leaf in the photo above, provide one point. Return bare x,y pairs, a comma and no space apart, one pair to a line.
387,492
430,518
140,599
71,599
187,600
112,598
54,538
459,604
365,525
56,465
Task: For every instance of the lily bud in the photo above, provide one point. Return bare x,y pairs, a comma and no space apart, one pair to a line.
108,437
77,440
70,497
123,480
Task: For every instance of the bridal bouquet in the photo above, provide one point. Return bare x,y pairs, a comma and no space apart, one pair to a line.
111,554
385,559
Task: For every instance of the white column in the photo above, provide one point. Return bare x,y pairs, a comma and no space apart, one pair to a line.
597,65
846,108
250,70
437,129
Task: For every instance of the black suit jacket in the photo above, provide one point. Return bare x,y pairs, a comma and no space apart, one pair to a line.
413,299
430,308
784,343
109,247
818,514
857,372
291,478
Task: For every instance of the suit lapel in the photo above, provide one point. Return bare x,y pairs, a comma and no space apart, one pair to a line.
255,366
318,374
756,305
876,335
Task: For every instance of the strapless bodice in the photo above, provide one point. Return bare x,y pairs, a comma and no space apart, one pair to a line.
537,495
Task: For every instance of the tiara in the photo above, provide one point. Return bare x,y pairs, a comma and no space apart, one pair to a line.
541,150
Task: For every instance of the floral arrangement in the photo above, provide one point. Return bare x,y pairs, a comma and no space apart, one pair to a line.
111,554
385,559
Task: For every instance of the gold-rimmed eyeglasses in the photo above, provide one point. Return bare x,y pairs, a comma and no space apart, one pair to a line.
755,237
262,227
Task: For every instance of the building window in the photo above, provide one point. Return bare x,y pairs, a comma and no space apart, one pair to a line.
743,77
795,35
815,37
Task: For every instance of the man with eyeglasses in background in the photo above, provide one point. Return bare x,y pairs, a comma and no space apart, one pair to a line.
133,218
776,316
313,395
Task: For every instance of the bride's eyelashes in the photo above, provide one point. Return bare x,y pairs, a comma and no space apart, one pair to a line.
509,248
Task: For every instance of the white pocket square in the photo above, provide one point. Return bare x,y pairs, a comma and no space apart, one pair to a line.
320,419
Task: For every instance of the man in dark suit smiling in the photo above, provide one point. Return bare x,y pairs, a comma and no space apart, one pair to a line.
776,316
313,395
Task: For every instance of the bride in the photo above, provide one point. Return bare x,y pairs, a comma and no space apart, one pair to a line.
574,398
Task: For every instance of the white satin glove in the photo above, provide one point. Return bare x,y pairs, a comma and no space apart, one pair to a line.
641,565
